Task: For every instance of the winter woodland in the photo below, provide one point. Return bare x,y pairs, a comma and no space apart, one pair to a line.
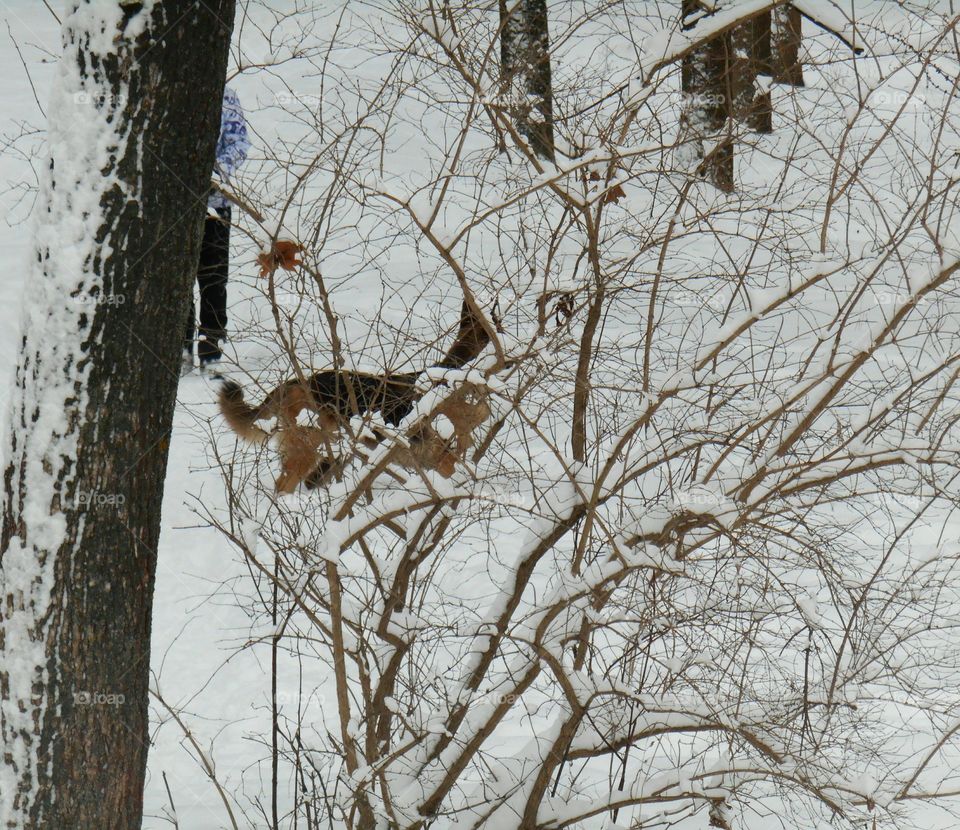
700,565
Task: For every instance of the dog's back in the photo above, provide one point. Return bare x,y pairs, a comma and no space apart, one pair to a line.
351,393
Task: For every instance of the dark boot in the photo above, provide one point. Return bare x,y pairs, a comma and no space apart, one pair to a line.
208,350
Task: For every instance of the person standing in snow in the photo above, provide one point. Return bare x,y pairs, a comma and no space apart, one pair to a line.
213,271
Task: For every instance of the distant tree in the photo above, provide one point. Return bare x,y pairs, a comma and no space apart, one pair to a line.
719,81
785,39
705,81
525,68
751,58
134,121
741,73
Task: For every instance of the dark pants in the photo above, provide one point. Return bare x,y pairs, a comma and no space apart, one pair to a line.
212,278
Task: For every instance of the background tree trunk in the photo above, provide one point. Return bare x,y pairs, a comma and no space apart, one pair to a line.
760,115
525,68
707,96
785,38
742,71
134,121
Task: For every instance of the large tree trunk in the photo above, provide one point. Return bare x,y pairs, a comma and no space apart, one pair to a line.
134,121
708,104
525,67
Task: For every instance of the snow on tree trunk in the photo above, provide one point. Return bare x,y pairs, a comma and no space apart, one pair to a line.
525,67
706,90
134,118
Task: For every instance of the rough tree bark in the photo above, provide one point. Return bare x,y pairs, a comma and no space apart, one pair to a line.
134,119
525,68
707,102
750,58
762,120
741,74
785,38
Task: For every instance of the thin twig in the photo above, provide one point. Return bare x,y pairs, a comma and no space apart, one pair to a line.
173,807
26,69
205,763
50,9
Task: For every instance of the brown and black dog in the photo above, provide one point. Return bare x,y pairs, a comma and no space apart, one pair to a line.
335,395
307,452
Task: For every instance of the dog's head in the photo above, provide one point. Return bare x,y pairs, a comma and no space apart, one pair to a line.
442,441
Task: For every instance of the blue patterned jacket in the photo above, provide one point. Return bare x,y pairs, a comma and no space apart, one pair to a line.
233,146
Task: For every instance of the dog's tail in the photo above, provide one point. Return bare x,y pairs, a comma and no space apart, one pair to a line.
239,415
